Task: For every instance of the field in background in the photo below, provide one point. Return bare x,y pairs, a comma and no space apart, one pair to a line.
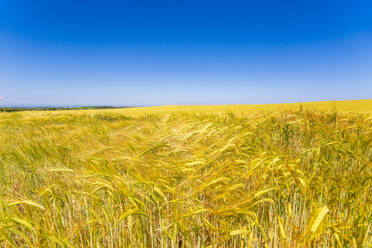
188,176
356,106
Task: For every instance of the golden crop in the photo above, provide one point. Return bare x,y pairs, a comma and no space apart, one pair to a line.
292,178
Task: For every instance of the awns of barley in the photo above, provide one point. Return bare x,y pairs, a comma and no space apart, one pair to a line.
101,179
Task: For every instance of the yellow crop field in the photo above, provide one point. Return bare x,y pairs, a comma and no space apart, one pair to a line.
356,106
291,175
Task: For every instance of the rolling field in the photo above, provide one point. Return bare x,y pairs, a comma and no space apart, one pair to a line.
290,175
355,106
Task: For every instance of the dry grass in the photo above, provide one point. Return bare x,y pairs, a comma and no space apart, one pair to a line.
103,179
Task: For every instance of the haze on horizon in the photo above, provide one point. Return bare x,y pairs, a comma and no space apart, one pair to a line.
132,53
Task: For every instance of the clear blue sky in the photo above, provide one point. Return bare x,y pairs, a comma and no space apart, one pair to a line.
141,52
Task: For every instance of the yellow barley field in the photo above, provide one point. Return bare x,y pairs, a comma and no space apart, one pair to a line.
290,175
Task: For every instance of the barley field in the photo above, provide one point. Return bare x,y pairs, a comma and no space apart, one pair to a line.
188,176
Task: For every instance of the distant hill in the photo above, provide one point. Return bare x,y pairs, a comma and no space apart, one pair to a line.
15,109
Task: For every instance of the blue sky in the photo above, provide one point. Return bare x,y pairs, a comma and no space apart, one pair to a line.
184,52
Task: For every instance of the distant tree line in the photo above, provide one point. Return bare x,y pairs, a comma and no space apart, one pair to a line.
16,109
